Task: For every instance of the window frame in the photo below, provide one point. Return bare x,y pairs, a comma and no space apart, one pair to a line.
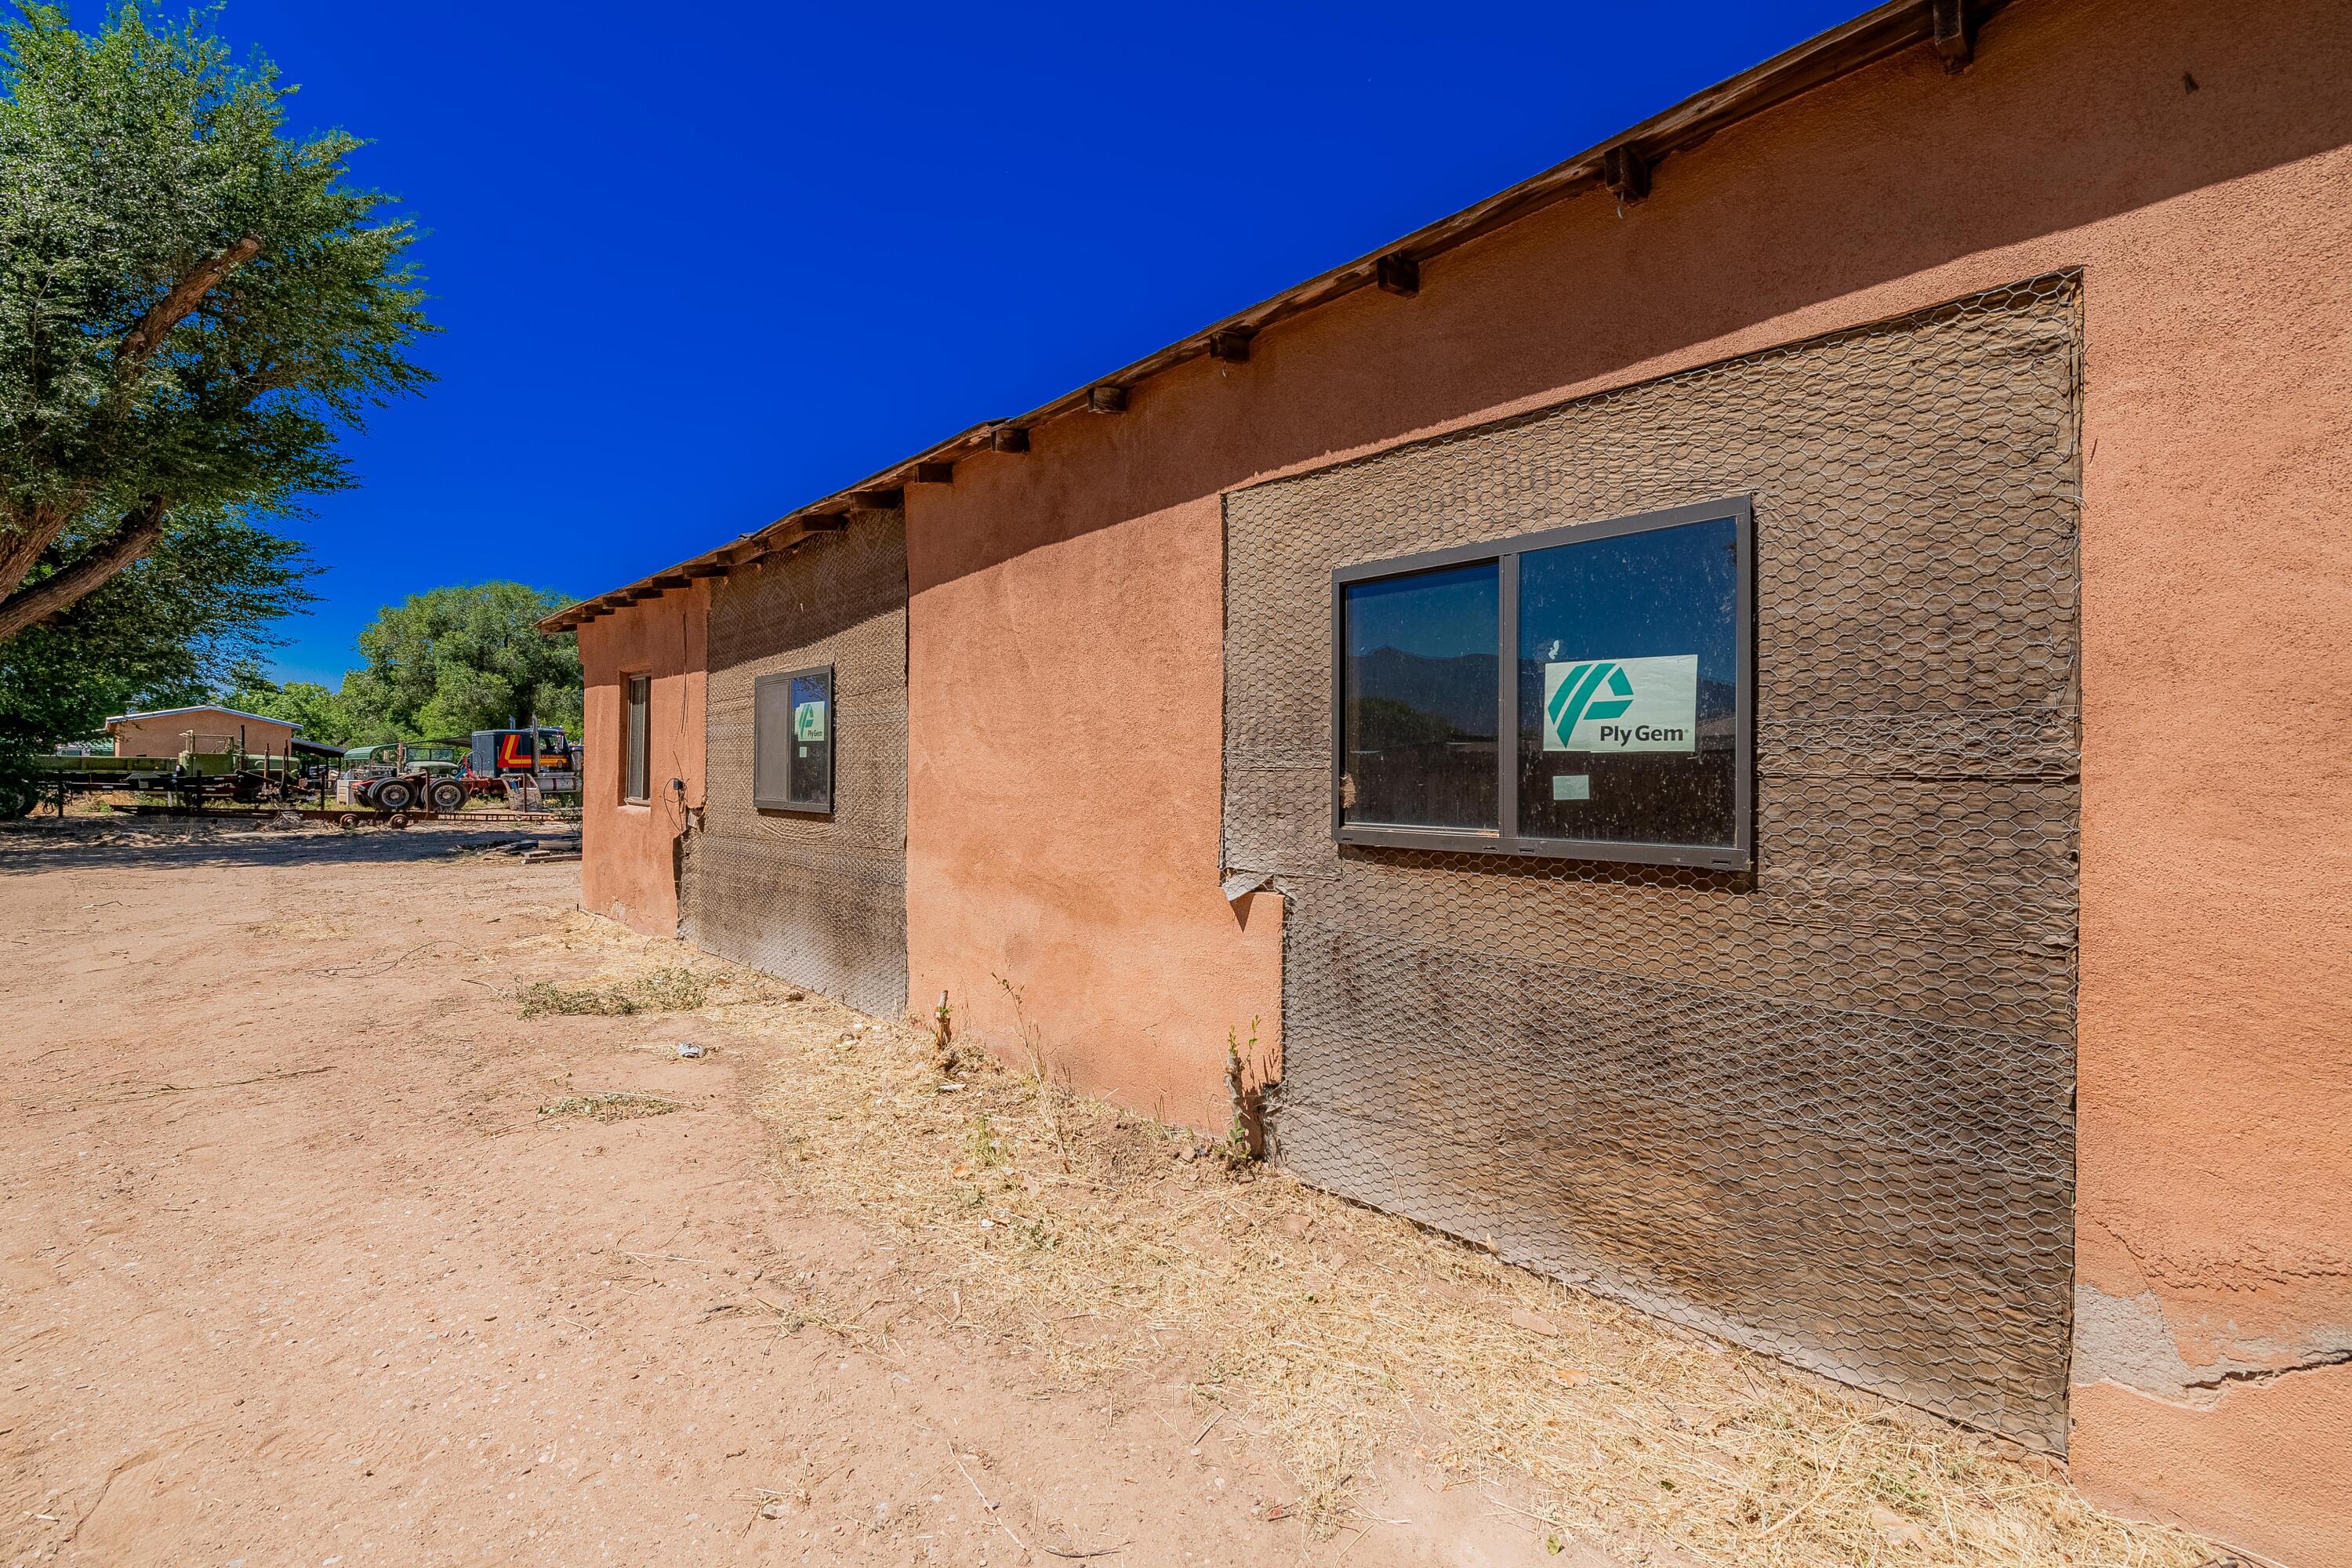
813,806
637,740
1506,838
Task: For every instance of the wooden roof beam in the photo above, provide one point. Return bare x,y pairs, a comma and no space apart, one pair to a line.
1626,173
1398,273
1956,39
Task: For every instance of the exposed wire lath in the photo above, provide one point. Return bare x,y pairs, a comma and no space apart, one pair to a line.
1824,1109
820,900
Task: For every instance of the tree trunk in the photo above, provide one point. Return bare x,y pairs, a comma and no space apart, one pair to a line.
61,591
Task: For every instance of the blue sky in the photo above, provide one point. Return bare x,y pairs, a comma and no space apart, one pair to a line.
698,263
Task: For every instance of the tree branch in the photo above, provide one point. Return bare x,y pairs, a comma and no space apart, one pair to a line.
142,339
129,540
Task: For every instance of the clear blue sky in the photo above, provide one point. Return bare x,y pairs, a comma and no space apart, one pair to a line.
699,263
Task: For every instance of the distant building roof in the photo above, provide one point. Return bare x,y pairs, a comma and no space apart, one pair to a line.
201,707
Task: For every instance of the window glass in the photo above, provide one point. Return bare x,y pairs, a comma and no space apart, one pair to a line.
1629,688
792,740
639,738
811,765
1419,699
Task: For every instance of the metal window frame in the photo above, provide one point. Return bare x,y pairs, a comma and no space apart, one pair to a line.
816,806
1507,839
634,737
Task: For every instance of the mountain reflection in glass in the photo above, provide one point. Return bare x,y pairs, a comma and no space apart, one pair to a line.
1661,592
1418,700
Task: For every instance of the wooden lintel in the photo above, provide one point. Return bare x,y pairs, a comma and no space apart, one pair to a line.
1231,345
933,474
878,501
1398,274
1008,438
1105,398
1626,173
1955,40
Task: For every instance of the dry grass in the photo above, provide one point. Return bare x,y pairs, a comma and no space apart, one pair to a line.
1083,1235
618,1106
674,989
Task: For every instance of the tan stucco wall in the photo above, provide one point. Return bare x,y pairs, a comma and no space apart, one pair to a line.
168,736
627,870
1064,671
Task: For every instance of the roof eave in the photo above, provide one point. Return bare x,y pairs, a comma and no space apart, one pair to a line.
1884,30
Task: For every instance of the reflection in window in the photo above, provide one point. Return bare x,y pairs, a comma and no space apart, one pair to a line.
1419,699
792,740
1629,687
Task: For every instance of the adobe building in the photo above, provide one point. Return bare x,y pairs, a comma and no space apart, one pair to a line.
1686,702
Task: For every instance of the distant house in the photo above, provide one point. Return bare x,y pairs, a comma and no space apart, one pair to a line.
168,732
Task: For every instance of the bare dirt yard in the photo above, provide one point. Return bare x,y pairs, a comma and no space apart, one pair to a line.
356,1207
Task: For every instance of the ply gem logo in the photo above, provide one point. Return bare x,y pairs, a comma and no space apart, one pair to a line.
1617,705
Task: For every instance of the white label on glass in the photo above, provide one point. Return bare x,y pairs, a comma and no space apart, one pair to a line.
808,721
1571,786
1622,705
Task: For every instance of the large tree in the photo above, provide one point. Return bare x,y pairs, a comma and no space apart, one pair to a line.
457,659
170,630
191,303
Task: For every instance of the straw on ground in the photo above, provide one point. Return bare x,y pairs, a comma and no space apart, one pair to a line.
1099,1242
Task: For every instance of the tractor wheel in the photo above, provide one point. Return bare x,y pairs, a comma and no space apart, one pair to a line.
447,794
17,798
393,795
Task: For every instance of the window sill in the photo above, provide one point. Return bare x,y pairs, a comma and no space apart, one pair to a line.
1468,841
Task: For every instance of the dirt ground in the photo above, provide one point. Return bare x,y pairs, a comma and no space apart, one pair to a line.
295,1272
315,1250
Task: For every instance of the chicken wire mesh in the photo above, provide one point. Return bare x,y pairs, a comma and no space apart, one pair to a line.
1823,1108
819,898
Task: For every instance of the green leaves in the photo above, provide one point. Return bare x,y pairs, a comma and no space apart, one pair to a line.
464,659
191,303
443,663
166,631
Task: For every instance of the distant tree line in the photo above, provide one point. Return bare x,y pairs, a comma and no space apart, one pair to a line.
443,663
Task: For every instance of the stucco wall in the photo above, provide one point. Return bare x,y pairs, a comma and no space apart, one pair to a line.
627,868
1064,679
168,736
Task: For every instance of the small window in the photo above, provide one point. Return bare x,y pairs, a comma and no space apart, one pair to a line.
638,742
791,767
1625,695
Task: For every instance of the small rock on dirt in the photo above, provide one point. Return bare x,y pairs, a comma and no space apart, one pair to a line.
1532,1323
687,1050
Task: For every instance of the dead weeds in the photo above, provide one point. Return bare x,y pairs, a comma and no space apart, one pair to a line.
674,989
1103,1244
622,1106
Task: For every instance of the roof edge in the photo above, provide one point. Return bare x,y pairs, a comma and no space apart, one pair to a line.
1622,164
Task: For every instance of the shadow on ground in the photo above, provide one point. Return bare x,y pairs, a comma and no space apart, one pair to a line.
30,847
